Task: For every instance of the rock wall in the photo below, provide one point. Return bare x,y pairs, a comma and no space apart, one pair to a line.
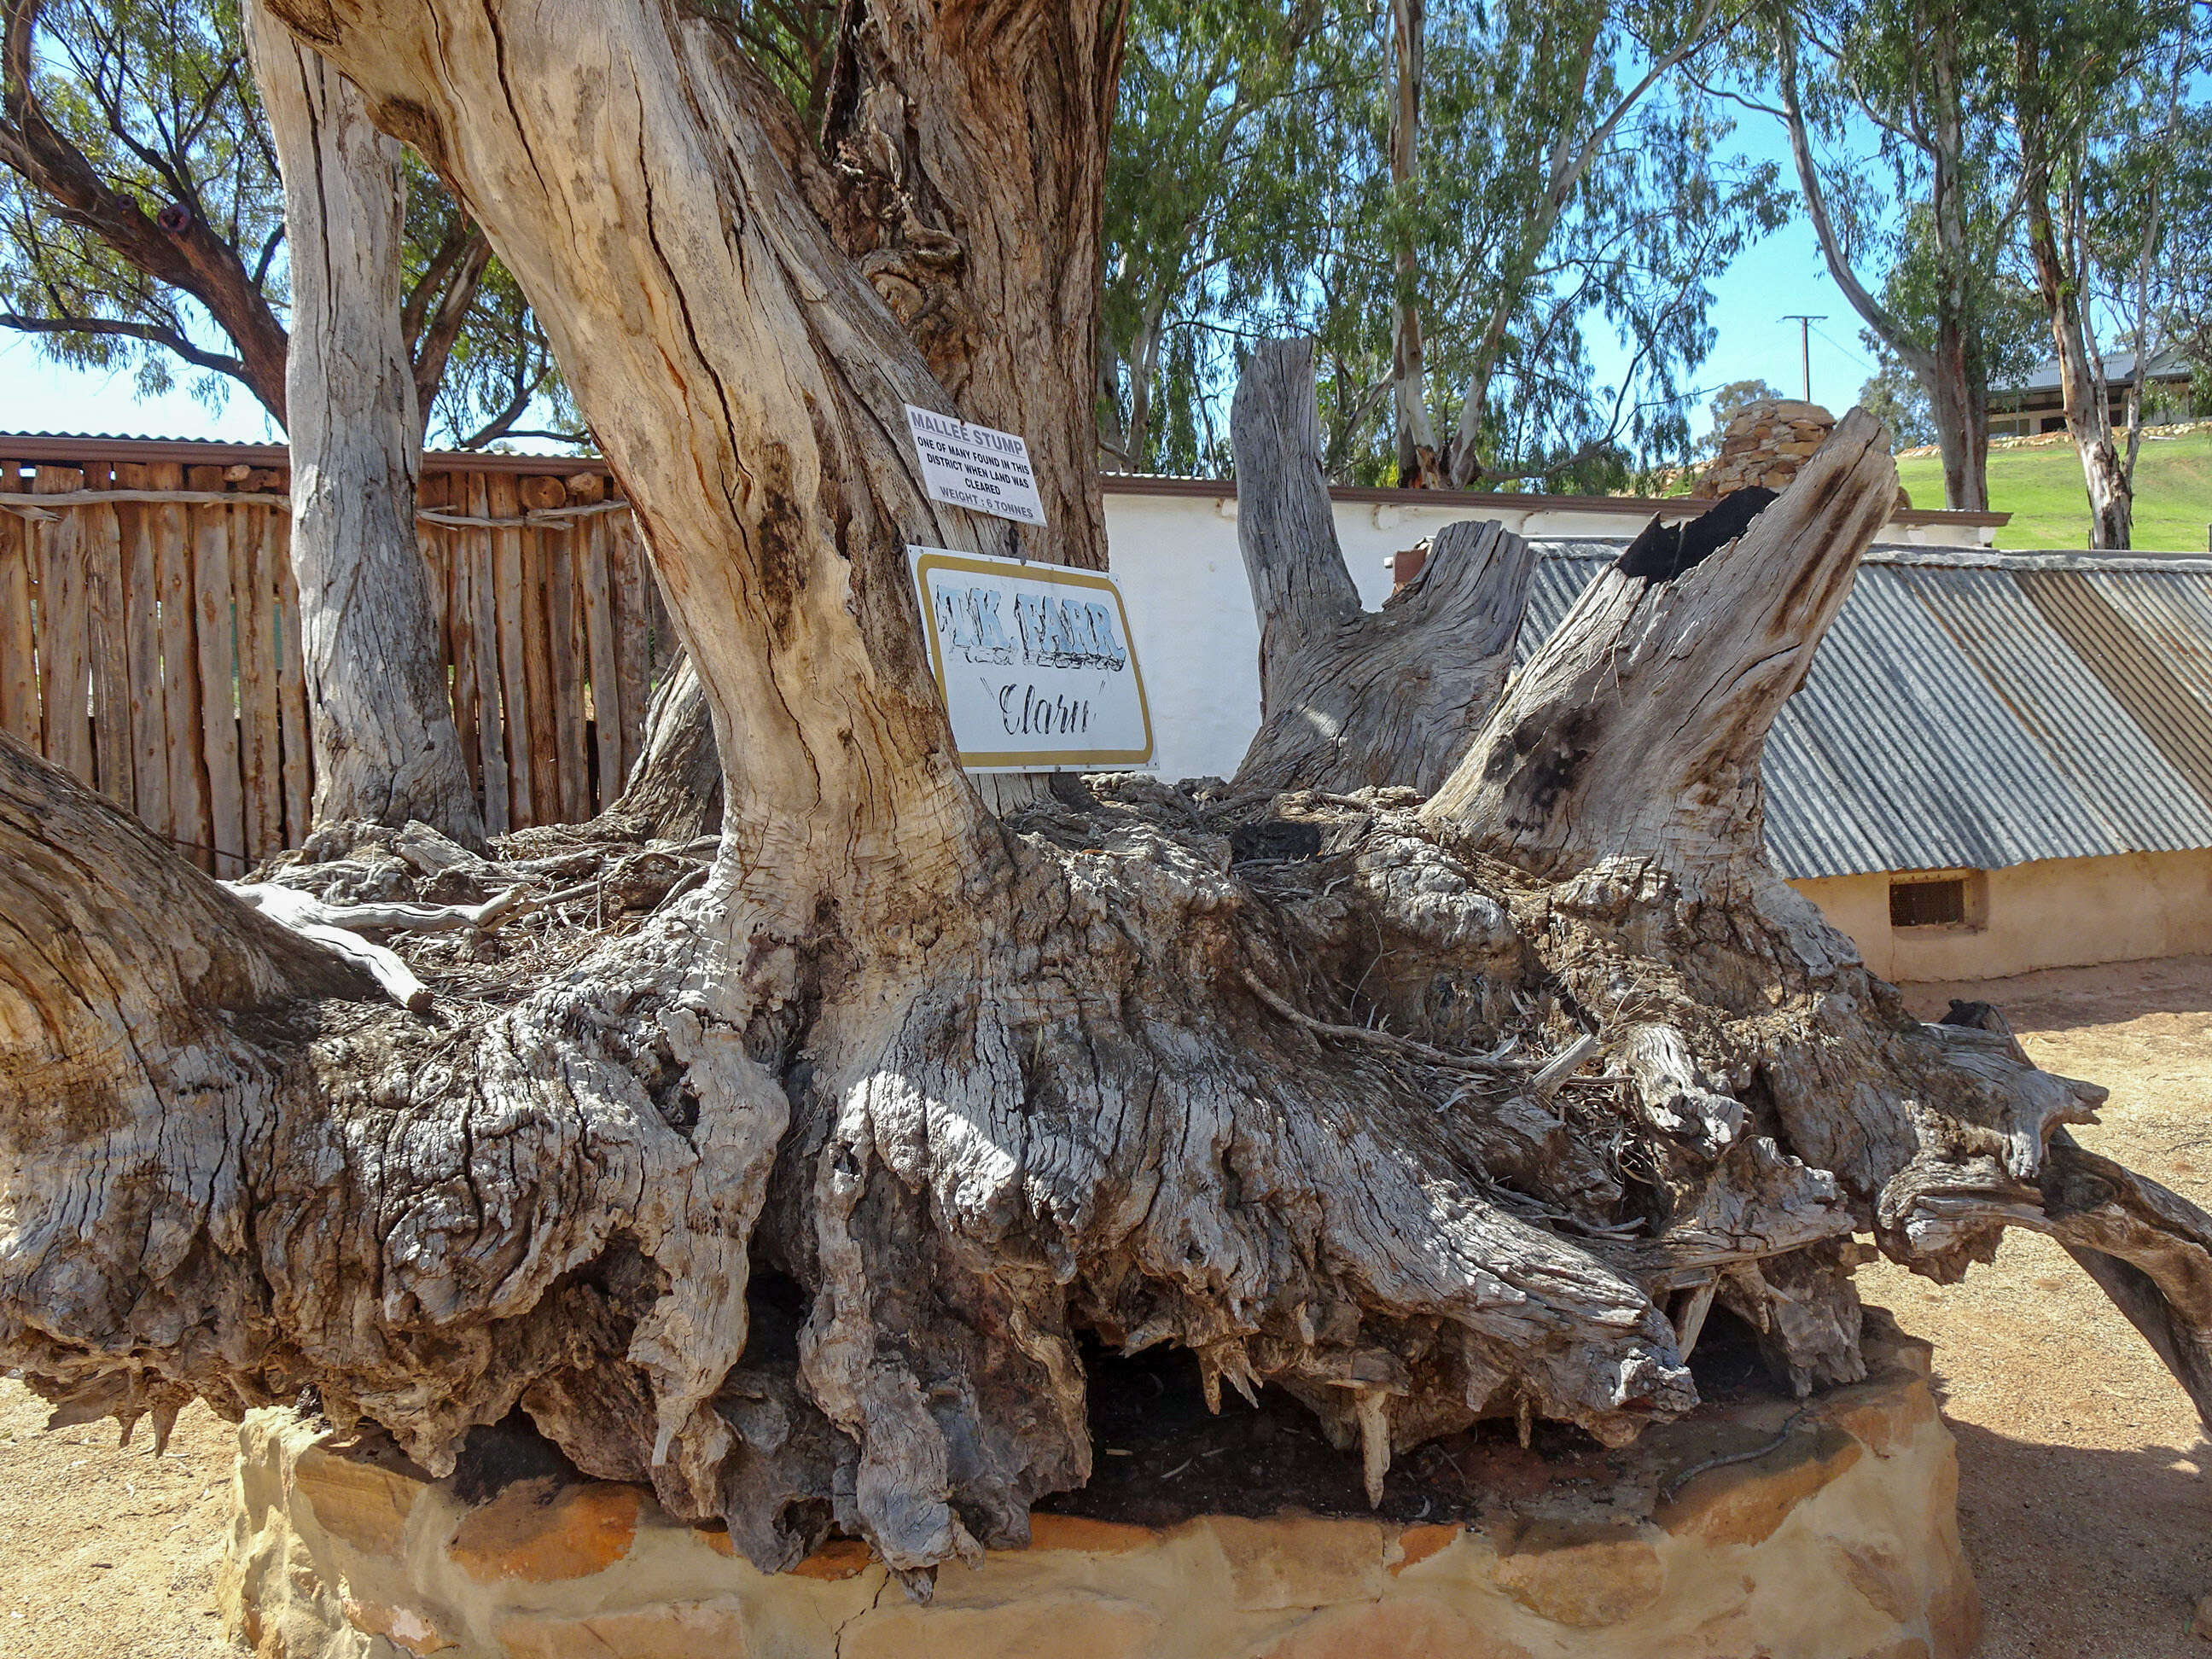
1766,444
1822,1531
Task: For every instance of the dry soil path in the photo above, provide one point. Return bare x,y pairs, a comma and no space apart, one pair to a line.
2082,1493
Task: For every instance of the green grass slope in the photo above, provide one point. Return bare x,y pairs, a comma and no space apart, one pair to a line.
2042,490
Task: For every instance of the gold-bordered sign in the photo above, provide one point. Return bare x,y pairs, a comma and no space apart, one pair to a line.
1034,662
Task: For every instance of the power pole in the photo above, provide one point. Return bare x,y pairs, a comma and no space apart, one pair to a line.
1805,343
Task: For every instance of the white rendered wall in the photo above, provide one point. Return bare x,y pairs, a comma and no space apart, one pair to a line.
1190,608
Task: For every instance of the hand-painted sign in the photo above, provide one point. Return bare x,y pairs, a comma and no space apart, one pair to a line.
1034,662
973,466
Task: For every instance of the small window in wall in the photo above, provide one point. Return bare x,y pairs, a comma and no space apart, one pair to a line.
1937,898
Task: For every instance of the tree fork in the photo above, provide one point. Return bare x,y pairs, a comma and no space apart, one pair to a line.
1347,699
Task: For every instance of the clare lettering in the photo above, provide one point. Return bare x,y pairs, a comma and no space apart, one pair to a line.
1034,713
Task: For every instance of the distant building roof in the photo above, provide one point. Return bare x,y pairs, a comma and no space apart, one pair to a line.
1975,710
2119,371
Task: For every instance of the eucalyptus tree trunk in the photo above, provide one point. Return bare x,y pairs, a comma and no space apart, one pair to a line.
1417,438
674,790
1950,370
2055,249
380,717
1447,1112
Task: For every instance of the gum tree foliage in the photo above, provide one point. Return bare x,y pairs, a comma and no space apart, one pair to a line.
2134,218
1565,182
2185,278
142,224
1226,120
1897,101
1892,396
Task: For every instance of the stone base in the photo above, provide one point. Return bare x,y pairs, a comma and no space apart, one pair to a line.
1841,1541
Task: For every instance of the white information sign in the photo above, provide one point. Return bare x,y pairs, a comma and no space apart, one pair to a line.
1035,664
974,466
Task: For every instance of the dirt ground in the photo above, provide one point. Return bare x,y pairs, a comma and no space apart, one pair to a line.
2083,1495
2082,1467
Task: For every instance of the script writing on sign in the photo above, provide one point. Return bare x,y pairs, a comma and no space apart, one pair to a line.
1035,664
974,466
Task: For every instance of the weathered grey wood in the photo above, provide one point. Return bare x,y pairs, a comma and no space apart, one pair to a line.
100,543
492,716
570,664
65,660
182,713
609,723
260,738
1347,698
1420,1114
142,599
292,696
1636,729
19,657
539,683
675,791
380,717
214,633
512,598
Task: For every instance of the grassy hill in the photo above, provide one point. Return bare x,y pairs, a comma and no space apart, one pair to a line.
2042,490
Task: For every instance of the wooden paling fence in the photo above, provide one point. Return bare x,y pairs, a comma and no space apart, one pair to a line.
149,636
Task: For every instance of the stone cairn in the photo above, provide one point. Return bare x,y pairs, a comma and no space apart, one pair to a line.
1766,444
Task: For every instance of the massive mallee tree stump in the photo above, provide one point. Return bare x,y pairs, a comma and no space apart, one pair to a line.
794,1198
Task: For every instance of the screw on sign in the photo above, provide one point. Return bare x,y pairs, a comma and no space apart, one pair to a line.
976,467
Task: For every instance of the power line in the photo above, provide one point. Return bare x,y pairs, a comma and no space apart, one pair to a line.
1847,351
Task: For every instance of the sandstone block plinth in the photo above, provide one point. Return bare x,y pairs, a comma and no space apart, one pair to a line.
1820,1530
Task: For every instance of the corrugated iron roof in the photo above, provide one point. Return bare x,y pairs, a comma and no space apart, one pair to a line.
1975,710
2119,371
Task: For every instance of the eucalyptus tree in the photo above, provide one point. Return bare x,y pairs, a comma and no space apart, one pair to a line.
1914,232
2079,78
2183,285
797,1200
1564,175
142,222
1225,124
1567,177
2097,92
1444,197
380,717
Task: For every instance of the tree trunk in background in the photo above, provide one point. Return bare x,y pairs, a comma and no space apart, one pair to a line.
2060,268
1331,1118
1348,699
1417,437
1953,374
380,716
948,125
1957,392
1962,424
